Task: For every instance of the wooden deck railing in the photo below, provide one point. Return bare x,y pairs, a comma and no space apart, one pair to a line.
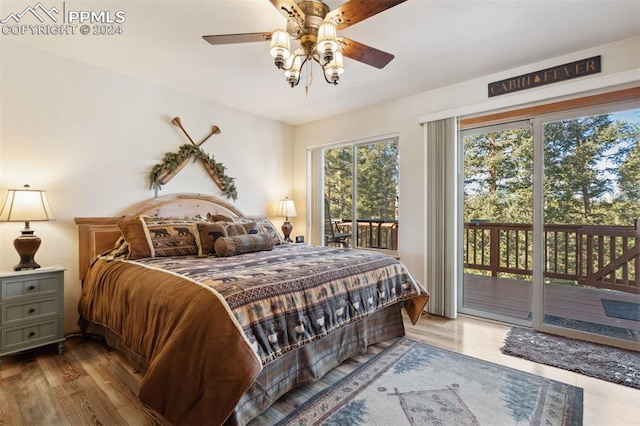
598,256
373,233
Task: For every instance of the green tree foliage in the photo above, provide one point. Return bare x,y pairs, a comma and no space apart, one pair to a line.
499,176
591,173
338,181
628,173
377,168
377,180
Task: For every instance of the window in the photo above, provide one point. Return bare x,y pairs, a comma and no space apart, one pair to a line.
361,194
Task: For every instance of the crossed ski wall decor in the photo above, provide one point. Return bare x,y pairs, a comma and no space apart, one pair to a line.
173,162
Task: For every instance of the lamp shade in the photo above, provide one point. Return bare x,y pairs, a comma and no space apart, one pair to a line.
280,44
286,208
26,205
327,40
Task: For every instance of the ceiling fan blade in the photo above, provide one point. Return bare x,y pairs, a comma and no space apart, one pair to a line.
365,54
355,11
290,9
236,38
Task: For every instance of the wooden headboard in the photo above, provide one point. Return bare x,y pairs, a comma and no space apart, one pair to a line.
96,235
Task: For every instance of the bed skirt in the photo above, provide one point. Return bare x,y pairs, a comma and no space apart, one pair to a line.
304,365
313,360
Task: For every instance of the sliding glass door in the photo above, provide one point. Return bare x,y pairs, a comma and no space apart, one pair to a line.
361,194
497,241
550,234
590,243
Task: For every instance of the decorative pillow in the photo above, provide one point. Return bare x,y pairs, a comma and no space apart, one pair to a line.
173,239
264,225
240,244
159,237
120,249
133,232
210,232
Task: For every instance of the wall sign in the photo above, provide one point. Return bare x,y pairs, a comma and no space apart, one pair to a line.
547,76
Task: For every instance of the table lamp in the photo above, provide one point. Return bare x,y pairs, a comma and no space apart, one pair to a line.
26,205
286,209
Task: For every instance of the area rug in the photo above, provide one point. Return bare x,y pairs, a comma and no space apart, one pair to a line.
621,309
590,359
633,335
412,383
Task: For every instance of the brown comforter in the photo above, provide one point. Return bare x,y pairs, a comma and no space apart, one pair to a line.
206,326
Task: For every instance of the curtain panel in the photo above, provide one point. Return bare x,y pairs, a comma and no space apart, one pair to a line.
441,171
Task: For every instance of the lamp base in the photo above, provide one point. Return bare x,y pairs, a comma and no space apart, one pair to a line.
27,245
286,231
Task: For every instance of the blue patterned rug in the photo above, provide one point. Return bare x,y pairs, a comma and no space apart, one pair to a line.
412,383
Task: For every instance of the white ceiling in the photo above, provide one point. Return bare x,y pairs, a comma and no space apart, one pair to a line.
435,43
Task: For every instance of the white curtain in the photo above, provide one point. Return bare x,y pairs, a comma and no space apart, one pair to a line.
315,196
441,266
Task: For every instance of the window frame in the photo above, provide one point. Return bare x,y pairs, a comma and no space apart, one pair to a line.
316,186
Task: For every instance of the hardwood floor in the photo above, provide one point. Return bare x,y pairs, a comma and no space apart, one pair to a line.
93,385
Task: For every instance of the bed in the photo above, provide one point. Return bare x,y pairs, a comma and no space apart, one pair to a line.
219,338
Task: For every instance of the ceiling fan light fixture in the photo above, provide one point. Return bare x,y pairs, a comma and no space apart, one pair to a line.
313,26
327,44
280,47
334,68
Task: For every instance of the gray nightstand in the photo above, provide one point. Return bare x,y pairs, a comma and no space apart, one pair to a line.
31,303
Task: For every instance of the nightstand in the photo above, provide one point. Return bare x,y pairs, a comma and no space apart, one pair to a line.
32,313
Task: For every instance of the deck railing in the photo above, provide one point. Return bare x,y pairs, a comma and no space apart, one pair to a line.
597,256
373,233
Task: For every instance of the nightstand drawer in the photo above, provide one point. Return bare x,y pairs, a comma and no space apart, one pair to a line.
31,309
34,285
28,310
30,335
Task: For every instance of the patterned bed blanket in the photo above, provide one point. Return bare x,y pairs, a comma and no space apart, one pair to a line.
208,325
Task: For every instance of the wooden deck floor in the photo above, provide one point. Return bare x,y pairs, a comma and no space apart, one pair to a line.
513,298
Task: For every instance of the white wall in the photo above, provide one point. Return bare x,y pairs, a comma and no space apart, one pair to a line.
89,138
620,67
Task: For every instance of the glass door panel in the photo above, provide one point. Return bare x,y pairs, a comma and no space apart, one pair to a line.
361,194
498,216
591,206
377,195
338,194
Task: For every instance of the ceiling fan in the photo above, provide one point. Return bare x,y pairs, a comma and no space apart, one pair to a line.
314,25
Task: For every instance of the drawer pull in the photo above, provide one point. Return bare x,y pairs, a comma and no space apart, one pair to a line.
31,287
33,333
32,310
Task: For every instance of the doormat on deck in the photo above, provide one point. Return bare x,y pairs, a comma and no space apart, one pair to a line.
633,335
622,310
603,362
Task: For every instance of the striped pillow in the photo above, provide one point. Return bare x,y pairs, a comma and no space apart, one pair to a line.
264,224
240,244
211,231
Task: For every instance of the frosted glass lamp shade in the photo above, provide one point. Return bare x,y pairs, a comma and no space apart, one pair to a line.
280,48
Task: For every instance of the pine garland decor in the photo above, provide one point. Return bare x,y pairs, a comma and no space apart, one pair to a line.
173,162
